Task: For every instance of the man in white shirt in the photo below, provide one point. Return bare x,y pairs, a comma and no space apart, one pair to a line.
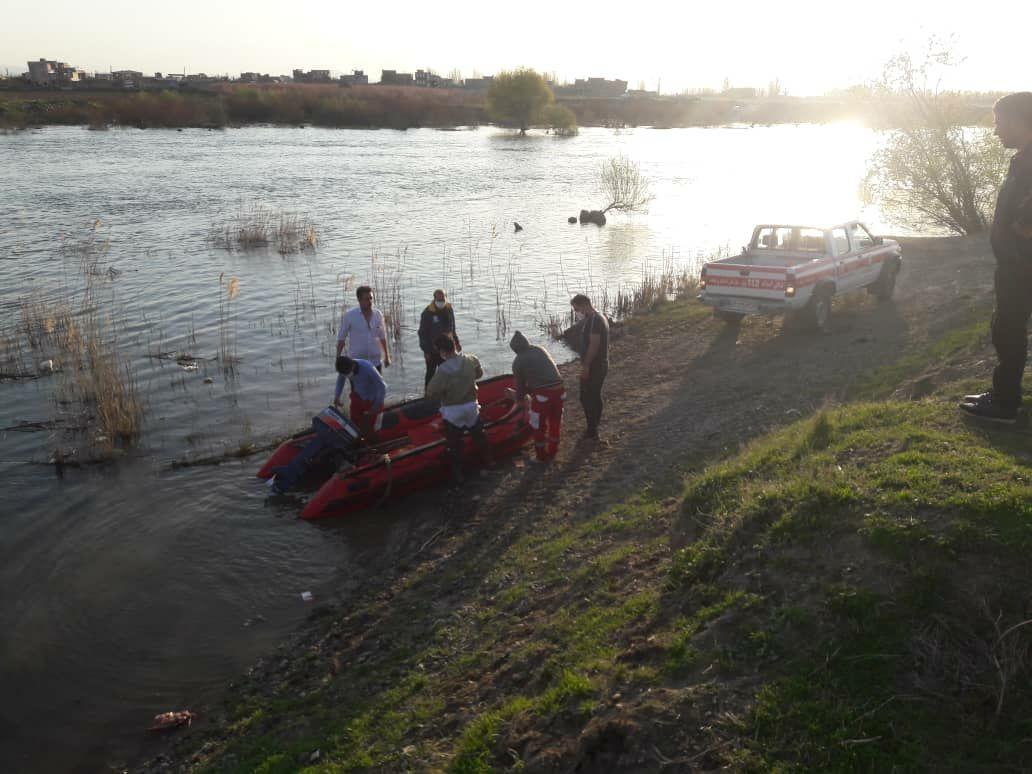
365,332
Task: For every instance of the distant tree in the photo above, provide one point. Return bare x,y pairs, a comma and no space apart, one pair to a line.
624,186
726,85
560,119
933,171
518,98
455,75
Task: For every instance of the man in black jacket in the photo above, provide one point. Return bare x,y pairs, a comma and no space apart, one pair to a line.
437,318
1011,239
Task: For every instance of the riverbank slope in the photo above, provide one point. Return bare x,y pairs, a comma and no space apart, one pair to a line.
790,550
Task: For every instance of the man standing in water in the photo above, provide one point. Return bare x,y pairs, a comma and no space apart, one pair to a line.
364,331
1011,238
437,318
455,386
594,355
538,378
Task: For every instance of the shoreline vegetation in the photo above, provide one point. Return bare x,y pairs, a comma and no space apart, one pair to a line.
397,107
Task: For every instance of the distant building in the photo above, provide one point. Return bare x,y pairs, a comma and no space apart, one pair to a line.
357,78
394,78
47,72
312,76
478,84
431,80
641,93
593,88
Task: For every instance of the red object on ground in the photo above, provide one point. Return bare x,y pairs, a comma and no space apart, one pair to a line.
546,419
168,721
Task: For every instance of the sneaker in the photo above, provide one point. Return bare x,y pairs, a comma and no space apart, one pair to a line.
991,412
982,397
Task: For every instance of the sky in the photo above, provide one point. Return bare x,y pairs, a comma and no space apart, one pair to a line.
809,47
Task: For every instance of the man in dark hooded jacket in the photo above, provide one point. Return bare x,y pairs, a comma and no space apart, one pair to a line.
538,378
1011,239
437,318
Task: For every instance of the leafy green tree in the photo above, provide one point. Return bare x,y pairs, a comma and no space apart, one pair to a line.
518,98
933,170
560,119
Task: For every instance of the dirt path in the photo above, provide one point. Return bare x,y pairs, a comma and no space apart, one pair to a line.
683,389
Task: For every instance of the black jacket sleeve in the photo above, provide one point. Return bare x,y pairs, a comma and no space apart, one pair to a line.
425,328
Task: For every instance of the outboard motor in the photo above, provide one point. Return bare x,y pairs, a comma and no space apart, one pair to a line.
336,436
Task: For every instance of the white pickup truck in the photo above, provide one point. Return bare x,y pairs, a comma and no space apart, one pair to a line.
798,270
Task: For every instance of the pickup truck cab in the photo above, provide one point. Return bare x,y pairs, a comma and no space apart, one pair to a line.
798,270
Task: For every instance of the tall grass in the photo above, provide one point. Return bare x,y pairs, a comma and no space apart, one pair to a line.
386,274
229,289
655,286
95,377
72,330
256,226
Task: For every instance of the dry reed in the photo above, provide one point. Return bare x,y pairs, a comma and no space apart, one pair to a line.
255,226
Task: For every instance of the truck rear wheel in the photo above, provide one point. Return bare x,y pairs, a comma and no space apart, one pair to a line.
817,312
886,283
728,317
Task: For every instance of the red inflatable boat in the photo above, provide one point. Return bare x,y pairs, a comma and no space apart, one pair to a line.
409,451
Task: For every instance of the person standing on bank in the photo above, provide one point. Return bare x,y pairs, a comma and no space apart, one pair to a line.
538,378
368,391
364,331
437,318
455,386
1011,238
594,357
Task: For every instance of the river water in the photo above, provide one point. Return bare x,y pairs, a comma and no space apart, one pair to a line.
134,587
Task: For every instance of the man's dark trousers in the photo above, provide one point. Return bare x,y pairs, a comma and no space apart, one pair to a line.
591,396
1009,330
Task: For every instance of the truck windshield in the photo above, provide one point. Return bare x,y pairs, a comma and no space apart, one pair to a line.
794,238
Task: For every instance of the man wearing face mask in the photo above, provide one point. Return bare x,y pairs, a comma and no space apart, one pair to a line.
594,356
438,318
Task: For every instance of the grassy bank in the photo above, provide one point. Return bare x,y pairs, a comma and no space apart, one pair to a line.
844,593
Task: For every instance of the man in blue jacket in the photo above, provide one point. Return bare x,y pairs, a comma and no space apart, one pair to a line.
368,390
437,318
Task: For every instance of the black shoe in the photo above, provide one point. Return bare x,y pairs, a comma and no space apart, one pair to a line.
991,412
591,433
